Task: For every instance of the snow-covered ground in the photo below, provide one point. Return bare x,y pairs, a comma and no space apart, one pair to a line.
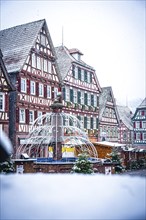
72,196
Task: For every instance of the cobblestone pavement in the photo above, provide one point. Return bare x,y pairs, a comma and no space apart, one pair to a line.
136,173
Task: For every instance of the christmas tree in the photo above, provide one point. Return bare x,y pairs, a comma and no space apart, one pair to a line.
117,160
7,167
83,165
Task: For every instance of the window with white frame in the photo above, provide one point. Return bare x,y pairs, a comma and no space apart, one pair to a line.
45,65
76,72
41,90
2,101
55,92
31,116
95,101
82,75
22,115
75,96
89,99
137,124
39,117
144,136
88,77
67,94
82,97
49,92
32,87
49,67
137,136
88,122
94,123
33,60
38,62
23,85
144,124
43,40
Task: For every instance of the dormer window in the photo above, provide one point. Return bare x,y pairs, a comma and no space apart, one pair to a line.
76,53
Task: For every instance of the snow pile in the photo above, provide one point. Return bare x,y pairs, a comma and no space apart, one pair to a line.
72,196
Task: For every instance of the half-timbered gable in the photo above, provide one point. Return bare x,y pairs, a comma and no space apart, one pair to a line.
30,59
5,87
80,89
126,126
139,125
108,116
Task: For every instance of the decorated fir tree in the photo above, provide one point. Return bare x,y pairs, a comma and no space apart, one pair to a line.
83,165
115,156
7,167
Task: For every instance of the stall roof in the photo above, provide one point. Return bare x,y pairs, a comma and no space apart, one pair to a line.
110,144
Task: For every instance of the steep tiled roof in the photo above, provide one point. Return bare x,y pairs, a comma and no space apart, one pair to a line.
103,98
125,115
9,85
65,60
16,43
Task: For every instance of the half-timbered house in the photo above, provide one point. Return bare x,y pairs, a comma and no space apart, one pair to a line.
80,88
5,87
30,59
108,116
126,125
139,125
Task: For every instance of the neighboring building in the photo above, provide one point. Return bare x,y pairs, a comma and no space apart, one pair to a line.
126,125
139,125
108,116
30,59
5,88
80,89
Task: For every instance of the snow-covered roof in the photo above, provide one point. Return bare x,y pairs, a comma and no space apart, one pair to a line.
111,144
125,115
16,43
103,99
65,60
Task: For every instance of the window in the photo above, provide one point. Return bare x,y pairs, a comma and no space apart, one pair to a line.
41,90
67,94
92,100
39,117
31,116
43,40
45,66
49,67
75,96
85,98
73,71
144,124
2,100
22,116
89,99
49,92
76,73
55,92
137,124
88,77
137,136
95,101
79,97
38,62
144,136
88,123
33,60
85,75
23,85
91,122
71,95
79,73
82,97
82,75
32,87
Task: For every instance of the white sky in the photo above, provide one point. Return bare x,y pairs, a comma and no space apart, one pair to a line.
111,35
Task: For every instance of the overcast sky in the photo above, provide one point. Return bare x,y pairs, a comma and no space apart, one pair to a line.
110,34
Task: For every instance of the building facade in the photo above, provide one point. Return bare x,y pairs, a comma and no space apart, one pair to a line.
139,125
126,125
108,116
80,88
30,59
5,88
